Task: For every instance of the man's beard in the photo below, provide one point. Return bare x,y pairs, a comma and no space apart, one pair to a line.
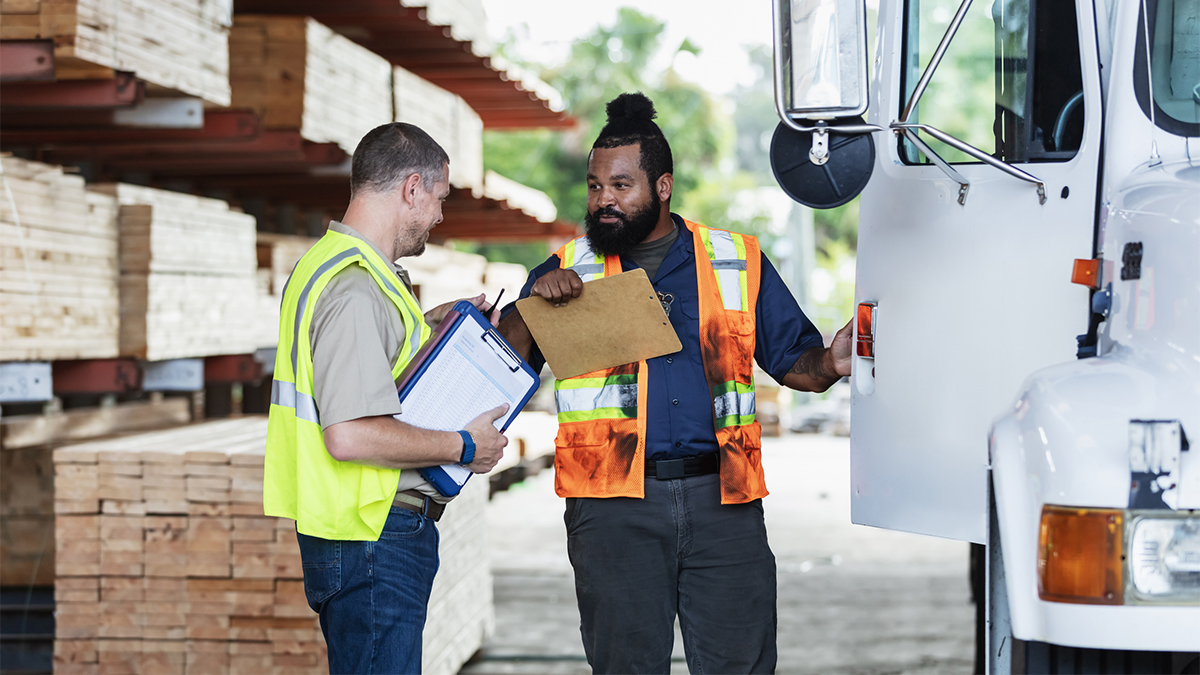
409,244
620,237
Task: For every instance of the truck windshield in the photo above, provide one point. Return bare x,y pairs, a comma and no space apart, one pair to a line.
1010,81
1174,28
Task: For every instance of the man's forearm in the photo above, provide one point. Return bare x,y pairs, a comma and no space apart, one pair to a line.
813,371
387,442
514,330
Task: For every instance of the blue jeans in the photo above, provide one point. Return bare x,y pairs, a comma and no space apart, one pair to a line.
372,596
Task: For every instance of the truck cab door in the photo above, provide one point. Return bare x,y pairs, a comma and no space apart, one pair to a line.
970,285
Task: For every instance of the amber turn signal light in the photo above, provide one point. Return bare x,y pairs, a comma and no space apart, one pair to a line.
1086,272
865,344
1079,555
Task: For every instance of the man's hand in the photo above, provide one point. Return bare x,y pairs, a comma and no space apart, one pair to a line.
842,349
818,368
558,286
434,316
489,443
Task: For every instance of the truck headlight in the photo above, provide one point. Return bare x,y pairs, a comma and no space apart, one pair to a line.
1164,557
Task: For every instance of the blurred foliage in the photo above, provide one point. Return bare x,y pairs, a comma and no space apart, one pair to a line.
961,97
610,61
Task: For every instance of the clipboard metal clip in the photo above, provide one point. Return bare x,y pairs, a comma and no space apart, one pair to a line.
497,343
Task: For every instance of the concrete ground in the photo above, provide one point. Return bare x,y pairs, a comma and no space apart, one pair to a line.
852,599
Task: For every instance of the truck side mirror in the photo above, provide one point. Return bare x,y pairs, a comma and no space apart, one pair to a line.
821,53
820,92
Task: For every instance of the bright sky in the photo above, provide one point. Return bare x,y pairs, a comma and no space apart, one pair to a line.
720,29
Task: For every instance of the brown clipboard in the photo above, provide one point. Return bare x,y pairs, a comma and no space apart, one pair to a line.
614,321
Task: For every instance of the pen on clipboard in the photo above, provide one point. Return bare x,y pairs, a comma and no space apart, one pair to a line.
488,314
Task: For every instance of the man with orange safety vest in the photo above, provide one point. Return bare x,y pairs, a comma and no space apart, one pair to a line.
660,461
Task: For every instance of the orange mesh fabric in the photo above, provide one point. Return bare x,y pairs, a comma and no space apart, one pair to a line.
727,344
606,457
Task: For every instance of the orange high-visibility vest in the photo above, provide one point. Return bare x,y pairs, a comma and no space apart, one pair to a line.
601,443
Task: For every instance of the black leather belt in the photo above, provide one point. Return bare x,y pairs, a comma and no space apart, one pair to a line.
419,503
666,469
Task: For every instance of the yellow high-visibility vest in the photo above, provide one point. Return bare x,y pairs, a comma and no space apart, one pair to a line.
327,498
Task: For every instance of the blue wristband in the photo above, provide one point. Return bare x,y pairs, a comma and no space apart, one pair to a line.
468,454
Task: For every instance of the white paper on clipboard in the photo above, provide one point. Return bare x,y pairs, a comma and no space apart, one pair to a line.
469,376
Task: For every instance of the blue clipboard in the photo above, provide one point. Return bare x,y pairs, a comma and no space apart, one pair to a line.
461,372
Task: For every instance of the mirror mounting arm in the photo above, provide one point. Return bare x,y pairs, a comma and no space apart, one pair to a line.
934,61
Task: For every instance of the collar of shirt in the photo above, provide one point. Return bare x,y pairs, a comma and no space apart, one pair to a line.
682,251
342,228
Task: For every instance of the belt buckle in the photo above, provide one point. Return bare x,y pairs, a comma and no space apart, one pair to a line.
667,469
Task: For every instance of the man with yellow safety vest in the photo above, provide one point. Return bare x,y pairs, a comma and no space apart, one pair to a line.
660,461
337,462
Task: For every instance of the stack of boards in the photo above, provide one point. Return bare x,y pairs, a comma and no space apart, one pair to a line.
121,270
188,268
297,74
58,265
166,564
176,45
277,257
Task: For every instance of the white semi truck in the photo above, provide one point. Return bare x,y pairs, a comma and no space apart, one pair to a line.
1027,369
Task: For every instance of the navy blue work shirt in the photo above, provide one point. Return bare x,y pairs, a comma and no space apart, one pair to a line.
679,418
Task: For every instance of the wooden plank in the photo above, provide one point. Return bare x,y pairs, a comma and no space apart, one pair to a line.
25,431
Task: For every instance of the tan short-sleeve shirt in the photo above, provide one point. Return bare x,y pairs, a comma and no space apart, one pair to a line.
356,336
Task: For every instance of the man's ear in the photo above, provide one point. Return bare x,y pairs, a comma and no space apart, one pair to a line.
409,189
664,185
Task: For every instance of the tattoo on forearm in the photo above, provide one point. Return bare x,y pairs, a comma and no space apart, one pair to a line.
812,364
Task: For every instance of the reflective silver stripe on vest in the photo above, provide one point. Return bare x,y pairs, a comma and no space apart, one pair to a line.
284,394
325,267
592,269
728,266
733,403
594,398
585,264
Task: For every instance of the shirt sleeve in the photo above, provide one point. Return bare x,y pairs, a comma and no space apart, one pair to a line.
354,344
782,330
536,360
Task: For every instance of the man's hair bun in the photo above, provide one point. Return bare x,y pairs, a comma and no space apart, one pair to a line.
635,106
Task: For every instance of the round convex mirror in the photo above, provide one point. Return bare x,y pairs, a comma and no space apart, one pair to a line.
822,186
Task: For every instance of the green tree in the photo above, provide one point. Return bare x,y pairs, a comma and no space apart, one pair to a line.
610,61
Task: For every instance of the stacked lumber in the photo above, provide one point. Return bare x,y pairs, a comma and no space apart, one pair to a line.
179,45
58,265
298,74
277,256
448,119
27,513
166,563
187,275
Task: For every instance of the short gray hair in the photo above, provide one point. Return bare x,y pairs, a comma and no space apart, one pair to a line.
390,153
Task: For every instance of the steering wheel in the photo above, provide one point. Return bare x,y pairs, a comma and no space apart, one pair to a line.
1060,123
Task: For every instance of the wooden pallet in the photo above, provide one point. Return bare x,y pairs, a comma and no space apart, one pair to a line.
175,45
166,563
58,265
298,74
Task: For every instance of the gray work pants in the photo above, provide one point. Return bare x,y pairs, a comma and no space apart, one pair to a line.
639,562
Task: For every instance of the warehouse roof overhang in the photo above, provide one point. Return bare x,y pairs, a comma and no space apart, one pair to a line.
443,42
